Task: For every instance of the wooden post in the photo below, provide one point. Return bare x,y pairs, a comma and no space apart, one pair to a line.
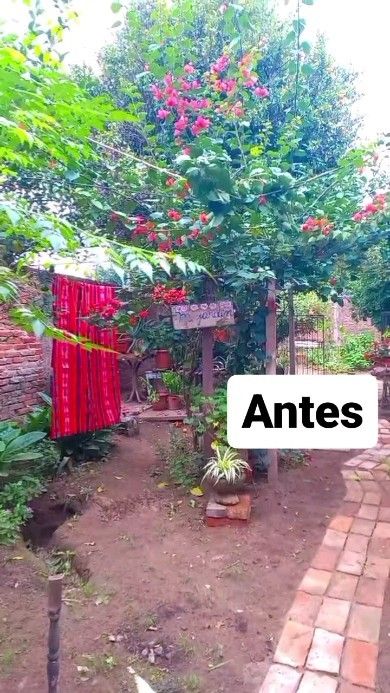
208,364
54,610
270,368
291,333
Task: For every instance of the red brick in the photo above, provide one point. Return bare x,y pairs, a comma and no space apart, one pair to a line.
281,678
382,530
384,515
357,542
317,683
370,591
334,539
342,586
368,512
364,623
377,567
305,608
294,644
365,527
341,523
326,558
351,562
359,662
372,498
325,652
333,615
315,581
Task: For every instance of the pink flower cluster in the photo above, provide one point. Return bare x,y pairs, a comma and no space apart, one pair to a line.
180,106
378,204
321,224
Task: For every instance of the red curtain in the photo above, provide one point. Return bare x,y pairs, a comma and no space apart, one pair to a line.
86,385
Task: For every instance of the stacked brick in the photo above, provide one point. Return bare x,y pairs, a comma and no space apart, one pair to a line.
23,369
330,638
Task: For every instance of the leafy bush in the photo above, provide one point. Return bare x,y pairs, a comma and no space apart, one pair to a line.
210,413
183,462
84,447
349,357
15,447
39,419
354,348
173,381
14,510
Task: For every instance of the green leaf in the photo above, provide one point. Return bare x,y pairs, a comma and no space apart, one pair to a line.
25,440
306,47
116,7
307,69
308,2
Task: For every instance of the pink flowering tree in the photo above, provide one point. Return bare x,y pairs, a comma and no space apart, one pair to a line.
217,181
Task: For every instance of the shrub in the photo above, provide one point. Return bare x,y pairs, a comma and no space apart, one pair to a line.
14,510
15,447
183,462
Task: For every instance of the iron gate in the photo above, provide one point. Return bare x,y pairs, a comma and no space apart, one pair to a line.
309,339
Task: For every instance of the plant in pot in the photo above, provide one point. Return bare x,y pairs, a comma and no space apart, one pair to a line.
226,474
161,340
157,398
174,383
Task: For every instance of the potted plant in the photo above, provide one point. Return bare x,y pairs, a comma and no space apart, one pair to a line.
161,338
226,473
158,399
174,383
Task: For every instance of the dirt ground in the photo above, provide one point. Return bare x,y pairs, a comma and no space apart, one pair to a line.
206,604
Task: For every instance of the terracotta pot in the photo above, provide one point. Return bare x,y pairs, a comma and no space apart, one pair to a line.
175,402
124,344
163,359
162,403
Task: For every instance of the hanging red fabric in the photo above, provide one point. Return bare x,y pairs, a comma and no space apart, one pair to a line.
85,384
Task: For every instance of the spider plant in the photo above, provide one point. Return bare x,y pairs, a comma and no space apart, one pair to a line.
225,466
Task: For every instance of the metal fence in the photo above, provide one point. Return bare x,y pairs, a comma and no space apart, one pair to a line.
310,349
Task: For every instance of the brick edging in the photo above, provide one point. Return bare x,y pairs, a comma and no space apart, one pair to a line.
329,641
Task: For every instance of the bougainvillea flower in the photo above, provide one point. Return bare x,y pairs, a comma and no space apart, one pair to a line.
162,114
170,181
358,216
157,92
144,313
174,214
189,69
200,124
221,64
133,320
153,237
262,92
180,125
165,246
204,217
263,199
194,234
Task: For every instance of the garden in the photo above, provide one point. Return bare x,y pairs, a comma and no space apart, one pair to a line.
196,209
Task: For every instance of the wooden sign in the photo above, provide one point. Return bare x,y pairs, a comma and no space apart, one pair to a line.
197,315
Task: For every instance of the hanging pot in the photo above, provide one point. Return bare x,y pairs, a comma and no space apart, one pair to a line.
163,359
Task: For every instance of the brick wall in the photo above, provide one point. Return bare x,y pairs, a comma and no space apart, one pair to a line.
23,368
344,319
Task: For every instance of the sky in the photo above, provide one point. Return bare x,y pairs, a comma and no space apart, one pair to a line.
357,35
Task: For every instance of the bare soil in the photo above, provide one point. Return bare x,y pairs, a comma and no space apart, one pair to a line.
207,604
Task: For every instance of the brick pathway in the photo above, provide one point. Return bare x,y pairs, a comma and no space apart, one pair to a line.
330,638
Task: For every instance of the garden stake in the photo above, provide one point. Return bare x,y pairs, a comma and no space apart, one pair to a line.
54,610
